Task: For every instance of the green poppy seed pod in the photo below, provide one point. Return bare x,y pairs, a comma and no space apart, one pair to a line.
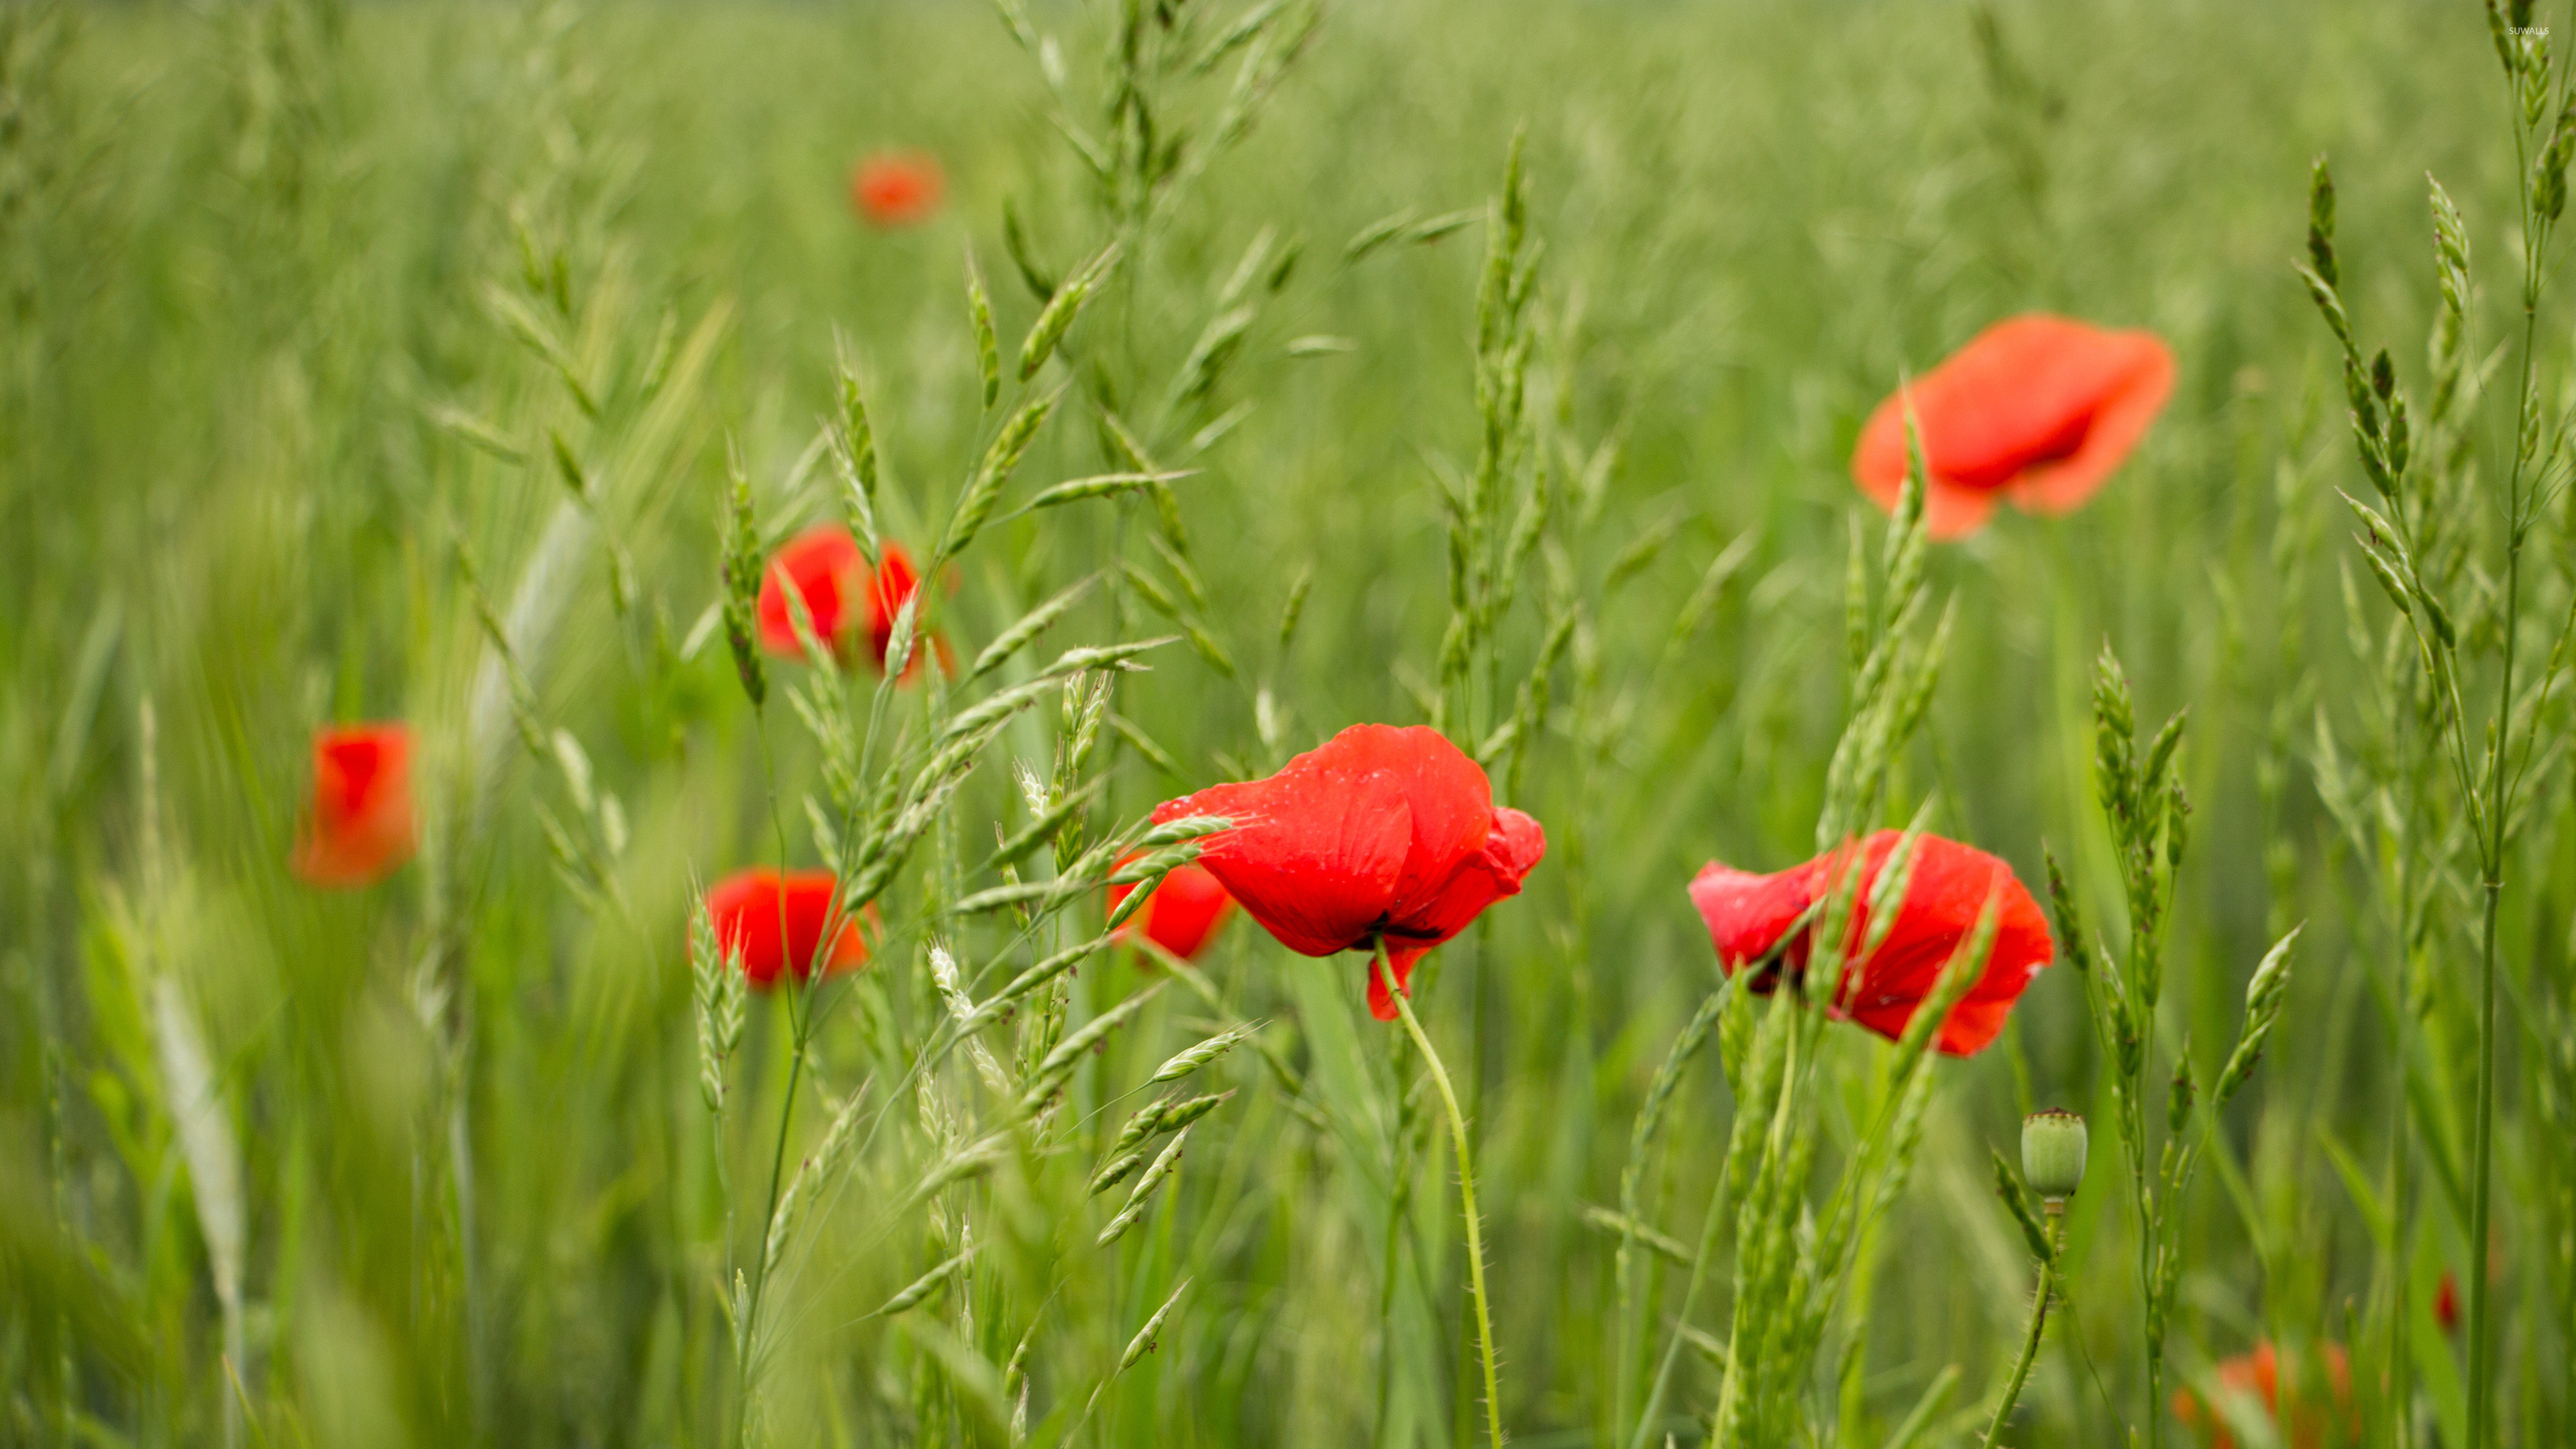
2052,1152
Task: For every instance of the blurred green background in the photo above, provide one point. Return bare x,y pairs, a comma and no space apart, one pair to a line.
251,255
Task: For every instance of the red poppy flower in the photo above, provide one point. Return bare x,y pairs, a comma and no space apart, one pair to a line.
2036,410
752,907
1182,915
1747,915
896,188
2446,1303
842,594
358,826
2259,1373
1378,832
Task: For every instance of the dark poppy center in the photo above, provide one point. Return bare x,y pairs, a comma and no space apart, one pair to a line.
1386,925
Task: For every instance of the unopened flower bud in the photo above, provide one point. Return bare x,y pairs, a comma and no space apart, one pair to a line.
2052,1152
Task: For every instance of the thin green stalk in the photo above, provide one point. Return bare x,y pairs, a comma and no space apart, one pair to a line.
760,1264
58,1173
2147,1230
2479,1368
1386,1296
2133,1120
2499,810
2394,1377
1718,1203
2038,1320
2396,1249
1475,1117
797,1023
460,1174
1466,1192
2482,1172
1397,1195
1624,1351
1641,1138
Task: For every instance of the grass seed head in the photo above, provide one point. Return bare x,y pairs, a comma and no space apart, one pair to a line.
741,572
2184,1094
1143,1343
988,348
1177,1116
2264,997
1140,1197
921,1288
1183,1063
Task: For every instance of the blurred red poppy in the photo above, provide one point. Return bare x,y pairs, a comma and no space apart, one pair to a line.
1378,832
845,598
2035,410
2259,1373
358,825
1182,915
776,922
896,188
1748,915
2446,1303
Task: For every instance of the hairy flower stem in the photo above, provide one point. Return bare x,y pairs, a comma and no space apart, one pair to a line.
1466,1191
2038,1320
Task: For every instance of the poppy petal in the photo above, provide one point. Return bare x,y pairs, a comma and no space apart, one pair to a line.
2036,409
895,189
774,923
1447,800
1747,914
1949,511
1183,914
358,824
2119,421
825,568
1945,895
1317,866
1511,849
1514,847
1378,833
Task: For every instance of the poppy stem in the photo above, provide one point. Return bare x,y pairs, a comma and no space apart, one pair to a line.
1466,1188
2038,1320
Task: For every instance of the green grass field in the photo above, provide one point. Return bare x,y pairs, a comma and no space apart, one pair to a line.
1495,366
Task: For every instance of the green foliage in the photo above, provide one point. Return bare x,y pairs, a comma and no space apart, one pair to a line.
464,366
